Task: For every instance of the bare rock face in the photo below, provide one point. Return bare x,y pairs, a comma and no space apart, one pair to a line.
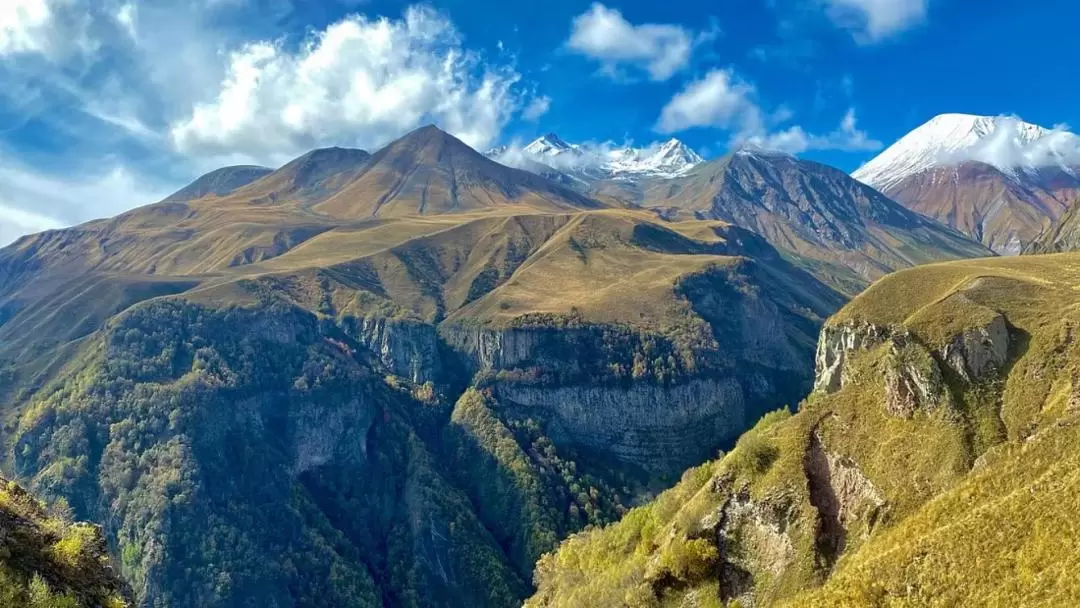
753,540
485,348
980,351
913,379
836,346
843,496
651,426
407,348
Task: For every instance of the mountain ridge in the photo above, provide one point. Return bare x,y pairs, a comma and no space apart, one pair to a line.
598,162
810,209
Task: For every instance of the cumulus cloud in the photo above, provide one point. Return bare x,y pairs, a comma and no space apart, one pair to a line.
722,100
795,140
661,50
360,82
536,108
719,99
871,21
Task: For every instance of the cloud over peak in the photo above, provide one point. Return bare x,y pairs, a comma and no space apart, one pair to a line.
719,99
362,80
722,100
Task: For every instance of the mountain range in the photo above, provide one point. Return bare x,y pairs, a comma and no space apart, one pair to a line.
404,377
844,229
383,378
590,163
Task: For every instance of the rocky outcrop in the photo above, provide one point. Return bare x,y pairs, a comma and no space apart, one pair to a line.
409,349
496,349
753,541
978,352
655,427
912,376
913,379
843,496
836,346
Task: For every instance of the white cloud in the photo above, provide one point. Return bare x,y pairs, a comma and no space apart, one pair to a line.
536,108
603,34
32,201
126,16
795,140
1005,147
719,100
874,20
359,82
53,29
22,25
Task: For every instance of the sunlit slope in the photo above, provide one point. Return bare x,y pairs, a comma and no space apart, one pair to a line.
934,464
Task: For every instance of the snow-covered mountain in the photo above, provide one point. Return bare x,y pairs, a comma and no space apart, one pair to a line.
1008,144
592,162
998,179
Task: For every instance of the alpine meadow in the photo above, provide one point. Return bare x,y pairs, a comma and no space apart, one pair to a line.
565,305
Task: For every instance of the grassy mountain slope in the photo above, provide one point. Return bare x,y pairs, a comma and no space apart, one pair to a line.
220,182
388,411
814,211
47,561
430,171
932,465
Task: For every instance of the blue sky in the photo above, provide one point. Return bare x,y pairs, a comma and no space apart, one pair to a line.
107,104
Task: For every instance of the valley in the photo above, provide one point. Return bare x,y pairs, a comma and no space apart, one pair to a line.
403,378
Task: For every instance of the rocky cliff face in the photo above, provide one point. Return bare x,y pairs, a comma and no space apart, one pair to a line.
913,373
979,351
836,346
653,427
409,349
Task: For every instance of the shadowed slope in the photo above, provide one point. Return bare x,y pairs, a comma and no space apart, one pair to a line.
1063,235
812,210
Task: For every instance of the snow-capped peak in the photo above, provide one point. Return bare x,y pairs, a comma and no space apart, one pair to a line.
1005,142
671,158
549,145
668,159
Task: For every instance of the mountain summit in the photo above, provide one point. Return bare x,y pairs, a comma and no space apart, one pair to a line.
430,171
598,162
949,139
997,179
